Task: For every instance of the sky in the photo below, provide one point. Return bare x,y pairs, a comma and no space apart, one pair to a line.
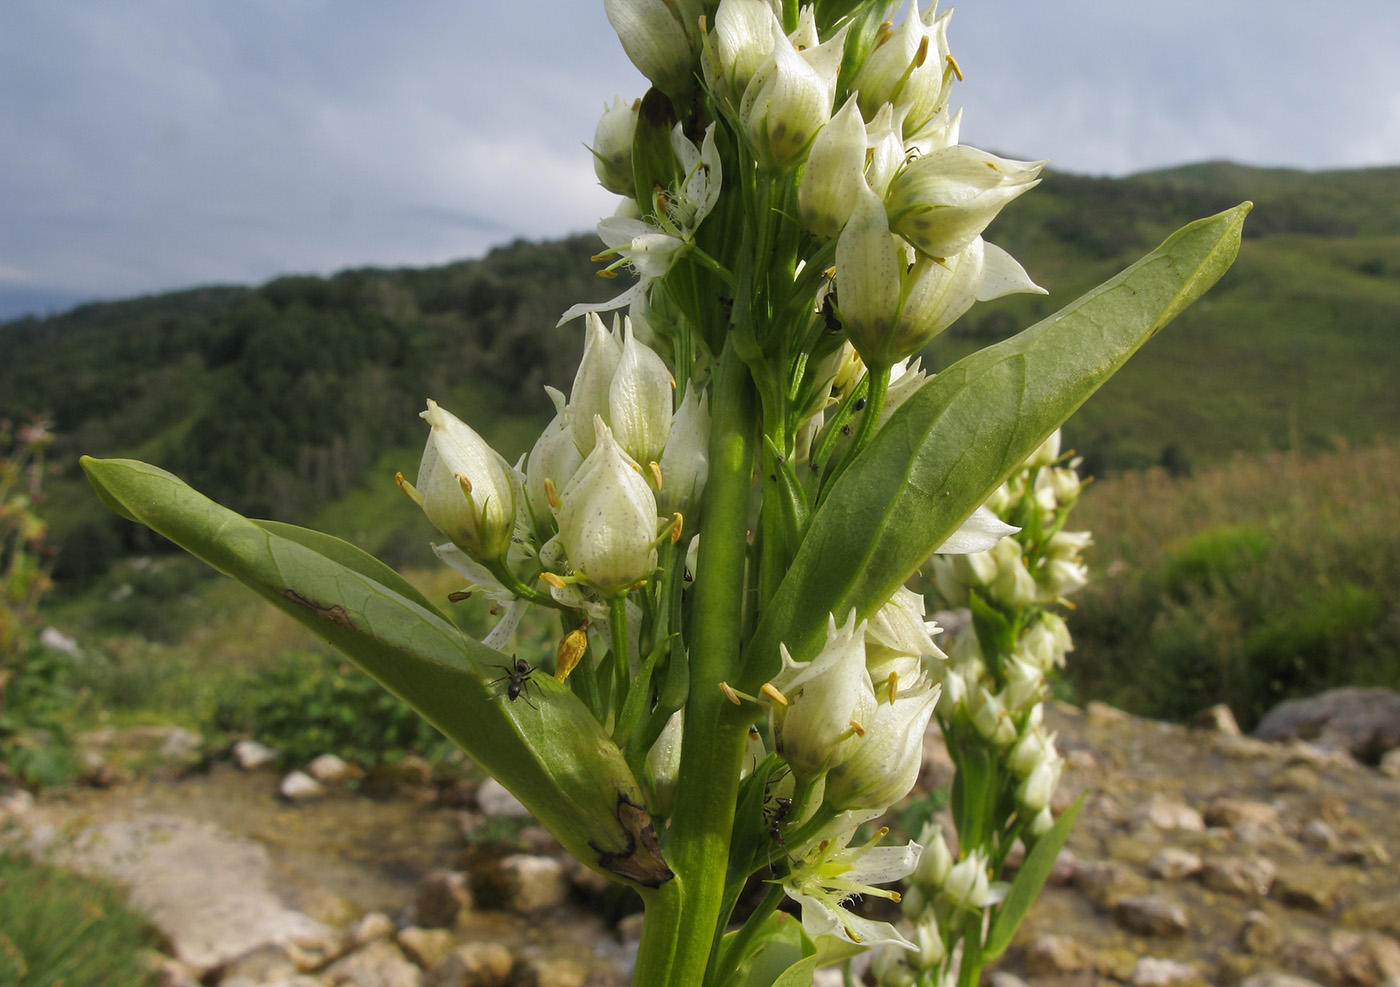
147,145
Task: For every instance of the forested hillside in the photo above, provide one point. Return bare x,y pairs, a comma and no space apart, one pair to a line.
278,399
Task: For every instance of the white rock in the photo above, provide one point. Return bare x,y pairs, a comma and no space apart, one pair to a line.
1390,763
298,786
251,755
493,800
1153,972
330,769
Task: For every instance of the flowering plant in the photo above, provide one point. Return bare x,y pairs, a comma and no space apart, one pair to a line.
746,471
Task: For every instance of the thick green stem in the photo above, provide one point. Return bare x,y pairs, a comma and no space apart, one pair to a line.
712,747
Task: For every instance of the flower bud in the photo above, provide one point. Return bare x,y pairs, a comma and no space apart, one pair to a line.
936,860
1014,585
784,105
991,720
612,146
908,69
639,400
944,200
607,518
868,266
931,949
664,762
554,458
743,40
1025,685
655,40
602,352
967,885
1035,792
899,628
1047,642
835,173
685,462
468,490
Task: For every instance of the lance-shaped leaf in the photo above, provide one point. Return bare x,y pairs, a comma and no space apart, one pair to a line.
959,436
543,746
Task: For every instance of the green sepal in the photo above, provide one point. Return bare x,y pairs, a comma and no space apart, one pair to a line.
544,746
654,163
958,437
1030,878
995,634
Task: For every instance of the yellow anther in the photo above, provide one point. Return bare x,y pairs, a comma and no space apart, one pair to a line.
637,468
953,64
655,468
771,691
605,273
465,484
676,527
552,579
571,650
730,694
894,687
408,489
860,730
551,494
921,55
459,596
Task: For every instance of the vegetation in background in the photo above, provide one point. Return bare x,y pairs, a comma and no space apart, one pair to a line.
1256,581
61,930
282,399
35,698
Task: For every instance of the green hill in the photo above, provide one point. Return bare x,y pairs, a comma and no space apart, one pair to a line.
288,399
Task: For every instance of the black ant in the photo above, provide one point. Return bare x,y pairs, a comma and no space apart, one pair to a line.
518,674
775,818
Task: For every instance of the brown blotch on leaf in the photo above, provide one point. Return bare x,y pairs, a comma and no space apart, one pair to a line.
641,861
335,614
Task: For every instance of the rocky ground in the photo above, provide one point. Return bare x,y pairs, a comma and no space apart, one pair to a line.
1200,857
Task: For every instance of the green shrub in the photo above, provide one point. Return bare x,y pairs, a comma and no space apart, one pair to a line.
309,704
61,930
1273,578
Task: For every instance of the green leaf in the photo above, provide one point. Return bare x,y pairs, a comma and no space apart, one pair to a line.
829,950
544,746
1029,880
945,450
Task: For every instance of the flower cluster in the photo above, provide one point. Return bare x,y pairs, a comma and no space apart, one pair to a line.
792,190
993,690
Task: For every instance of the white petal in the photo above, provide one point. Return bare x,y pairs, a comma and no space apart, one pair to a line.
977,534
1002,274
621,301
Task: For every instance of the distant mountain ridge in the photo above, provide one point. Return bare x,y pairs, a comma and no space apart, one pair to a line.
277,399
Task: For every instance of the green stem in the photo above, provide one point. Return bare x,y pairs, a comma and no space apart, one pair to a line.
879,378
737,949
676,950
622,671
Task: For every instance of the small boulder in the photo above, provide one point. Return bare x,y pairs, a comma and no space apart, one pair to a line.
250,755
1217,719
1049,956
1150,915
1365,722
380,964
1105,882
329,769
1151,971
476,964
1174,863
526,884
1248,876
442,894
426,947
299,786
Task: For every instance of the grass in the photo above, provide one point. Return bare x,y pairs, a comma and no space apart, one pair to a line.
61,930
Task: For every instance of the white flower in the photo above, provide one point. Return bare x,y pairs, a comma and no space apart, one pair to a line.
639,399
834,175
899,627
968,886
612,146
828,872
981,531
743,39
554,457
884,764
655,39
784,105
685,463
943,201
607,518
830,700
468,491
869,260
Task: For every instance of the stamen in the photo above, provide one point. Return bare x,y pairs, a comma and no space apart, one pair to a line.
860,730
894,686
551,493
676,528
571,650
953,64
553,580
606,273
921,55
465,483
408,489
730,694
459,596
771,691
655,468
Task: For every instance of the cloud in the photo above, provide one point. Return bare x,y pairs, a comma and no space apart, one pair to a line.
151,144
